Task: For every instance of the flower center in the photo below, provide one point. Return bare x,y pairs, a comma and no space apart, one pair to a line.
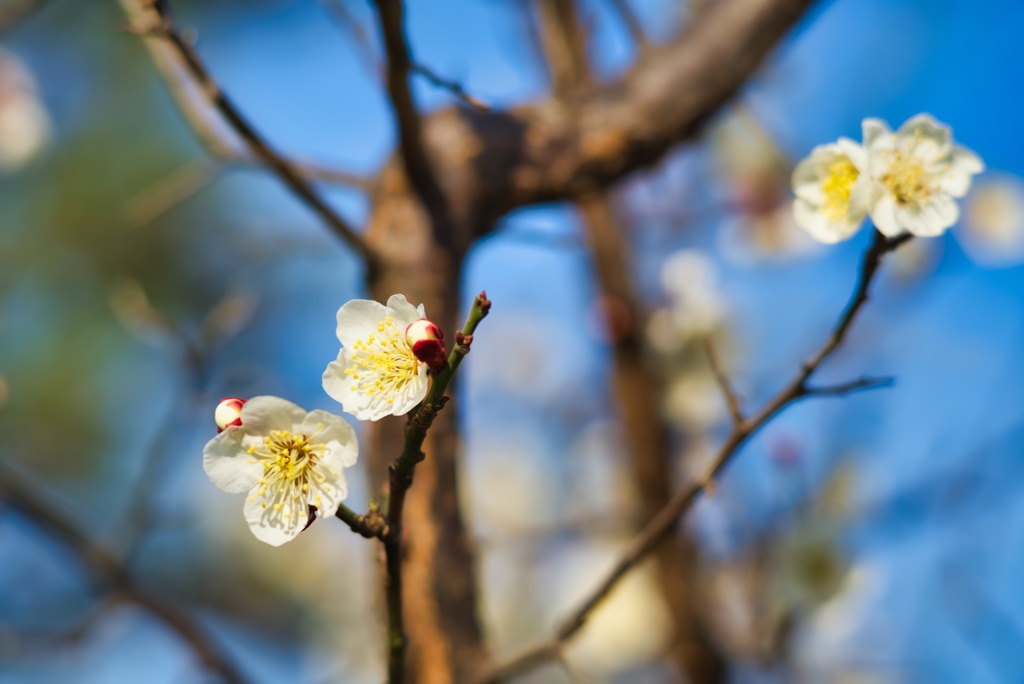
288,469
836,187
382,363
907,179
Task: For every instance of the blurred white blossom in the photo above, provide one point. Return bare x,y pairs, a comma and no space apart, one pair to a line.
25,125
992,232
916,174
907,181
695,304
832,193
760,225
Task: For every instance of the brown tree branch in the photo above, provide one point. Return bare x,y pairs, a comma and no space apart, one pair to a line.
732,400
175,55
114,576
451,86
418,166
648,441
564,42
495,162
663,524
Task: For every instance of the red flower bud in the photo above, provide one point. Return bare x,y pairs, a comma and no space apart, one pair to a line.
228,413
427,343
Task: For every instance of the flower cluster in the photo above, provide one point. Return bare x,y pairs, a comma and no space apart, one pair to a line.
907,181
291,462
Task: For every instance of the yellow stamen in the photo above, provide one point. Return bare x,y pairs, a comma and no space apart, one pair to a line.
836,188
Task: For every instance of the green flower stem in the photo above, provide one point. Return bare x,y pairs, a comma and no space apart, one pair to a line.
401,475
371,525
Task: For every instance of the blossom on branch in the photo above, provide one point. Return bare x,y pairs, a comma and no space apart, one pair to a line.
917,174
288,460
907,181
377,373
831,191
228,413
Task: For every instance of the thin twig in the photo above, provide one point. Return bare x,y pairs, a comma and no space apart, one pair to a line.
170,191
451,86
400,479
371,525
665,521
632,23
732,400
151,18
364,48
418,166
349,23
113,575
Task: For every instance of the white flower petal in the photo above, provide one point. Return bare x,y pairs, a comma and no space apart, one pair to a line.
964,164
924,126
930,218
358,319
876,133
228,465
854,152
807,180
336,434
863,196
412,394
270,525
405,313
883,214
328,495
260,415
340,386
819,227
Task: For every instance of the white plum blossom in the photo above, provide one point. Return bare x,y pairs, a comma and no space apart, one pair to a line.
992,232
832,192
25,124
916,175
288,460
376,373
696,304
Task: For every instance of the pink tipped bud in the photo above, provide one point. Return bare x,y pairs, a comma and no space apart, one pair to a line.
228,413
427,343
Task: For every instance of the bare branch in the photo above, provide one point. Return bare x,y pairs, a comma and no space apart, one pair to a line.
452,87
114,576
178,60
858,385
418,166
629,18
170,191
564,42
732,400
665,521
348,22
